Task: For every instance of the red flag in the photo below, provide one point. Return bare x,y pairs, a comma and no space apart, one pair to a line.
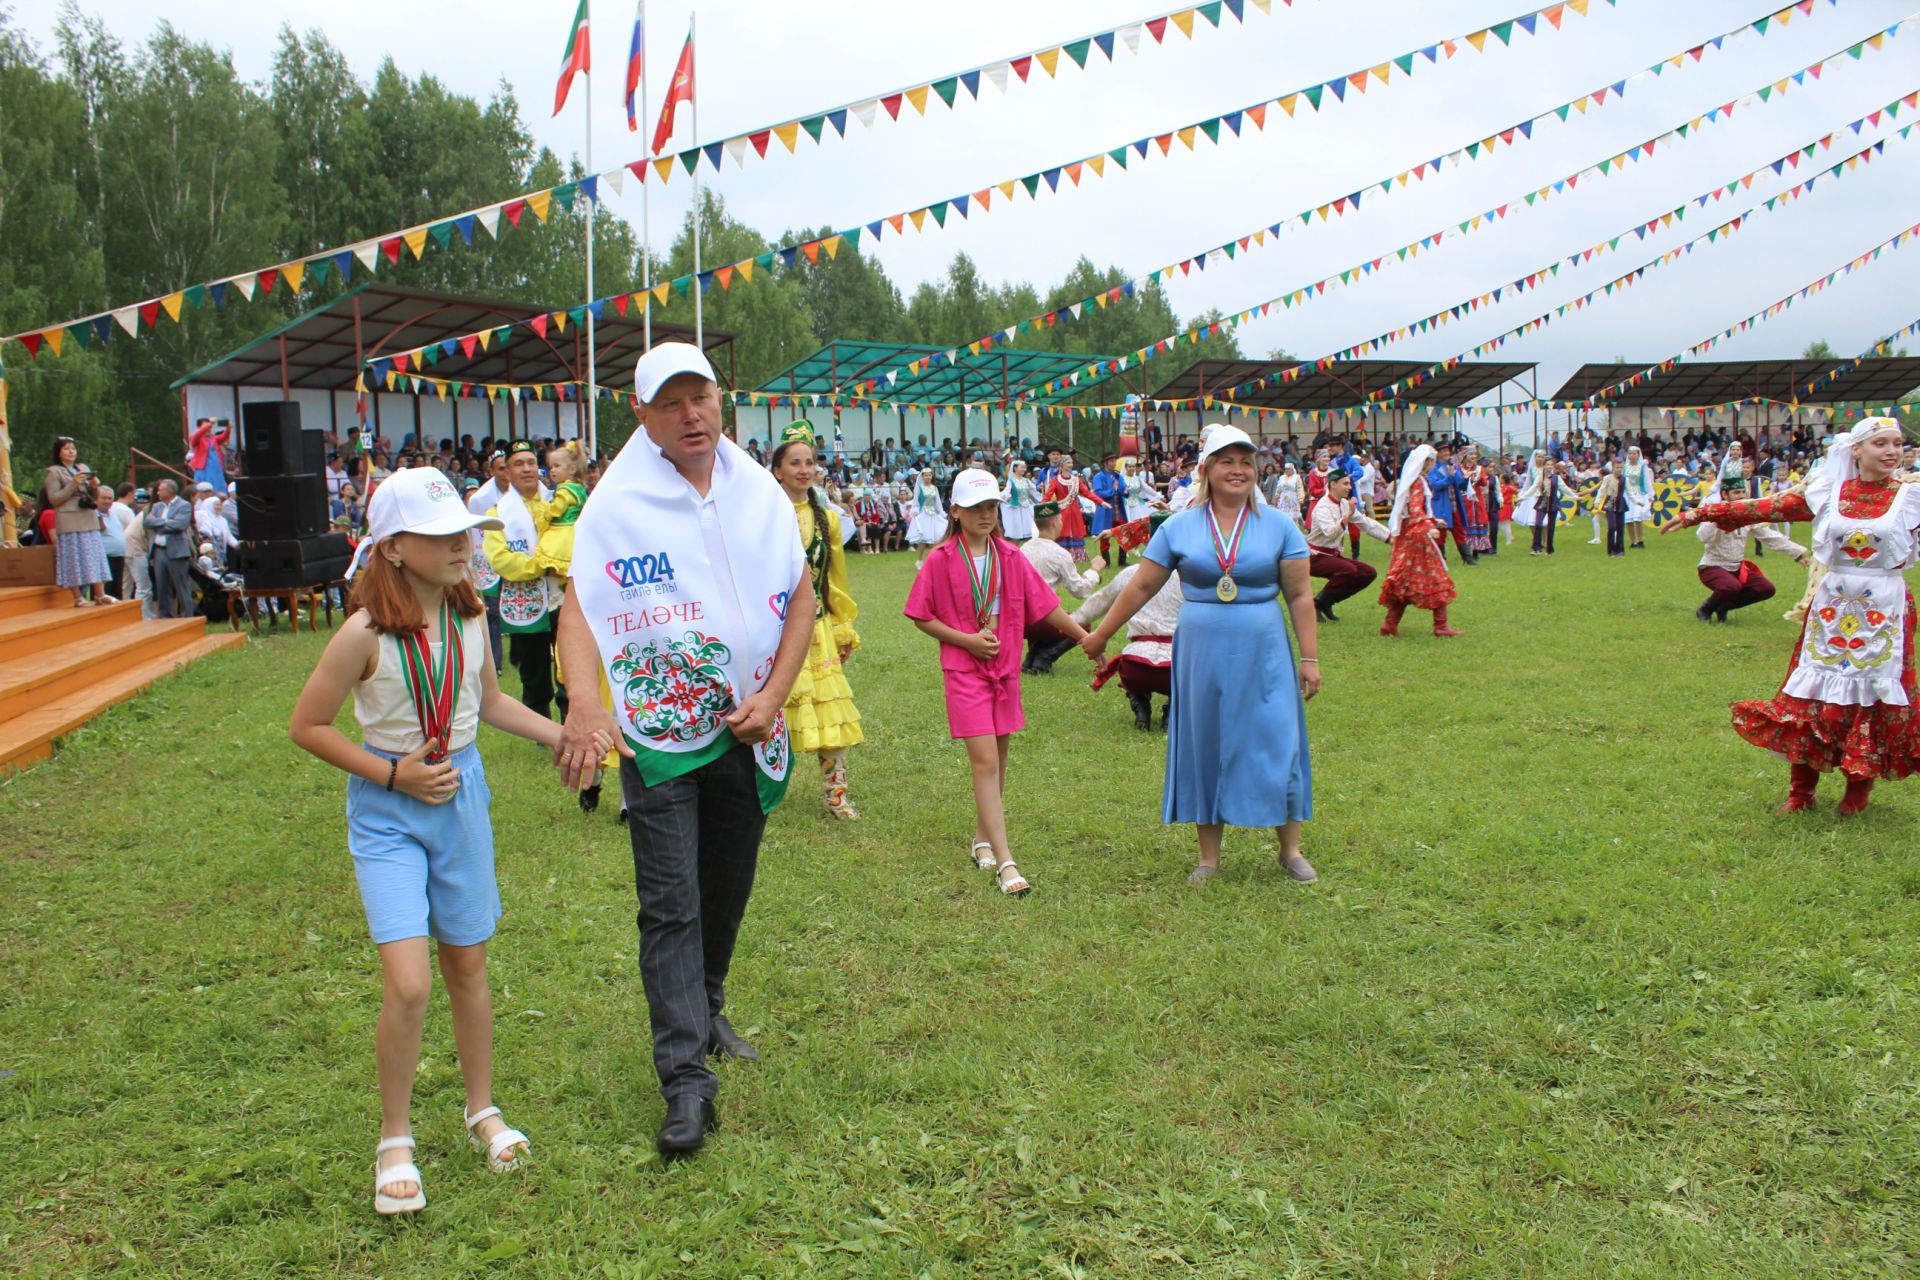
681,90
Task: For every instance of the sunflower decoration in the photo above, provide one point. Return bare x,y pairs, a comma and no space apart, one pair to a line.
1670,500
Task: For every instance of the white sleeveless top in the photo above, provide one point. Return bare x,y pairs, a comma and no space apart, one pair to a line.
384,708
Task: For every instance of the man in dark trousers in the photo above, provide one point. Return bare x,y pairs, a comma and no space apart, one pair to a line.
169,523
692,593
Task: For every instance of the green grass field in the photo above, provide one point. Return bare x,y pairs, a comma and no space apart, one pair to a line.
1567,1000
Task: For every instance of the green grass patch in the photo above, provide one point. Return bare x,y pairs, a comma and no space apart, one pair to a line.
1567,1000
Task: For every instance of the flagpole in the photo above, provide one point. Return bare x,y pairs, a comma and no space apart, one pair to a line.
699,327
592,388
646,205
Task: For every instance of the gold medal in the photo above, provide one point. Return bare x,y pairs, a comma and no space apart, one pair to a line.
1227,588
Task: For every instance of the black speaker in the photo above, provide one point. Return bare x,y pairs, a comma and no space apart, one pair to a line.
293,562
274,444
277,507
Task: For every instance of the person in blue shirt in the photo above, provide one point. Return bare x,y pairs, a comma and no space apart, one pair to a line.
1449,485
1110,487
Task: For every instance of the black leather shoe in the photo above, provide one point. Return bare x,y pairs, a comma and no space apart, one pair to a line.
689,1120
1142,705
590,798
724,1042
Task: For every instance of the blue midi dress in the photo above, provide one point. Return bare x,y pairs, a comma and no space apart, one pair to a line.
1237,727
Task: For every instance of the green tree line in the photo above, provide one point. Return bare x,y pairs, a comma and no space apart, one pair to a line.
129,171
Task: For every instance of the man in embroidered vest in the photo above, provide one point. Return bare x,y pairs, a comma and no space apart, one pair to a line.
526,595
690,593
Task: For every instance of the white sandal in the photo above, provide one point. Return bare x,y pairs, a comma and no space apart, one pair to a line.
986,861
1017,887
499,1143
394,1174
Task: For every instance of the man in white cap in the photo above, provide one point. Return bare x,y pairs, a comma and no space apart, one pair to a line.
691,594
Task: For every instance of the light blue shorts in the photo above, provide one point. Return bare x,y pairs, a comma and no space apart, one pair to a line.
425,870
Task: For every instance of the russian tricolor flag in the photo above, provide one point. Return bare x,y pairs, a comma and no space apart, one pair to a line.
636,64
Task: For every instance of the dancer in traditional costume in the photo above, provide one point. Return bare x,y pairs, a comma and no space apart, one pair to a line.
1237,732
1475,519
1016,504
1143,498
927,521
821,717
1145,665
1056,568
1067,490
1289,492
1333,515
1416,575
1639,485
1734,580
1847,702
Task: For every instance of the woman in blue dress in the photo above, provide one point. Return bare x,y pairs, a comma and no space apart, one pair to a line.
1237,732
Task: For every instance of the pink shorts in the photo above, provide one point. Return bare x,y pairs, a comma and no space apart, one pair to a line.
978,705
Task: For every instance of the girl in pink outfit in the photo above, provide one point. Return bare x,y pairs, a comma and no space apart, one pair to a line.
974,585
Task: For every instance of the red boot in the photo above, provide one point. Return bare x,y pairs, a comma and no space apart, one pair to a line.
1440,627
1802,780
1391,627
1859,790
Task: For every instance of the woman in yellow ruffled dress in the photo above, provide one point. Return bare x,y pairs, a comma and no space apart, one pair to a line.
821,717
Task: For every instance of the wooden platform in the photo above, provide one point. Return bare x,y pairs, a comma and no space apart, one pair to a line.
61,666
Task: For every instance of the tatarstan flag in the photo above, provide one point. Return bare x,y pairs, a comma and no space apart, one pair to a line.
681,90
577,56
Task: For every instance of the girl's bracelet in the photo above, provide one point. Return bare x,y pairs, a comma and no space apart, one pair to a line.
1314,661
393,771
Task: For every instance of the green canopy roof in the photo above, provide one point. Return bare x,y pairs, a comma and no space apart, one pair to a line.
841,366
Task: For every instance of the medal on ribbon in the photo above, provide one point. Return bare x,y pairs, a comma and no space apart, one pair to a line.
435,690
986,585
1227,551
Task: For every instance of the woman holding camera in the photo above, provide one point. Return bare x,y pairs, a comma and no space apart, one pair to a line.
80,558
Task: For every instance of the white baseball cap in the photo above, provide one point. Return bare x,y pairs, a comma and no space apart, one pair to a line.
1221,436
973,487
416,500
668,360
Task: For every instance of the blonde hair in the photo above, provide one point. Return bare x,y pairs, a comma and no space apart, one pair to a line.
1203,491
574,454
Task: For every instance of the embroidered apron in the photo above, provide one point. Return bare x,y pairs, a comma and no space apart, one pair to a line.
1854,648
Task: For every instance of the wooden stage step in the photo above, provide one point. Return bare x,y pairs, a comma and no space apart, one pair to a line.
61,666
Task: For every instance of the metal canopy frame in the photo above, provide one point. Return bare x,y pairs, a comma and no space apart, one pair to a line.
323,350
1717,382
982,379
1345,384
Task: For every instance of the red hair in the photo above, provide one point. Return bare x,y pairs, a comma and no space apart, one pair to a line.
382,589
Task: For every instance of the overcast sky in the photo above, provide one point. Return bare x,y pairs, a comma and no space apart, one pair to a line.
762,61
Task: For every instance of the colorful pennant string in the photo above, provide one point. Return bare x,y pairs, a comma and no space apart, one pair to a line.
488,218
1472,150
1530,280
789,256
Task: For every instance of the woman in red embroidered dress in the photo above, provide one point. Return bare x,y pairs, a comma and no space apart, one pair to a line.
1066,489
1416,574
1848,699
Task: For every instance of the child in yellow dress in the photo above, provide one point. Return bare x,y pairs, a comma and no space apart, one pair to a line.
821,717
553,519
553,522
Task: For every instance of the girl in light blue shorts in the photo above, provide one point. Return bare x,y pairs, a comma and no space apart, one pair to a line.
413,654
